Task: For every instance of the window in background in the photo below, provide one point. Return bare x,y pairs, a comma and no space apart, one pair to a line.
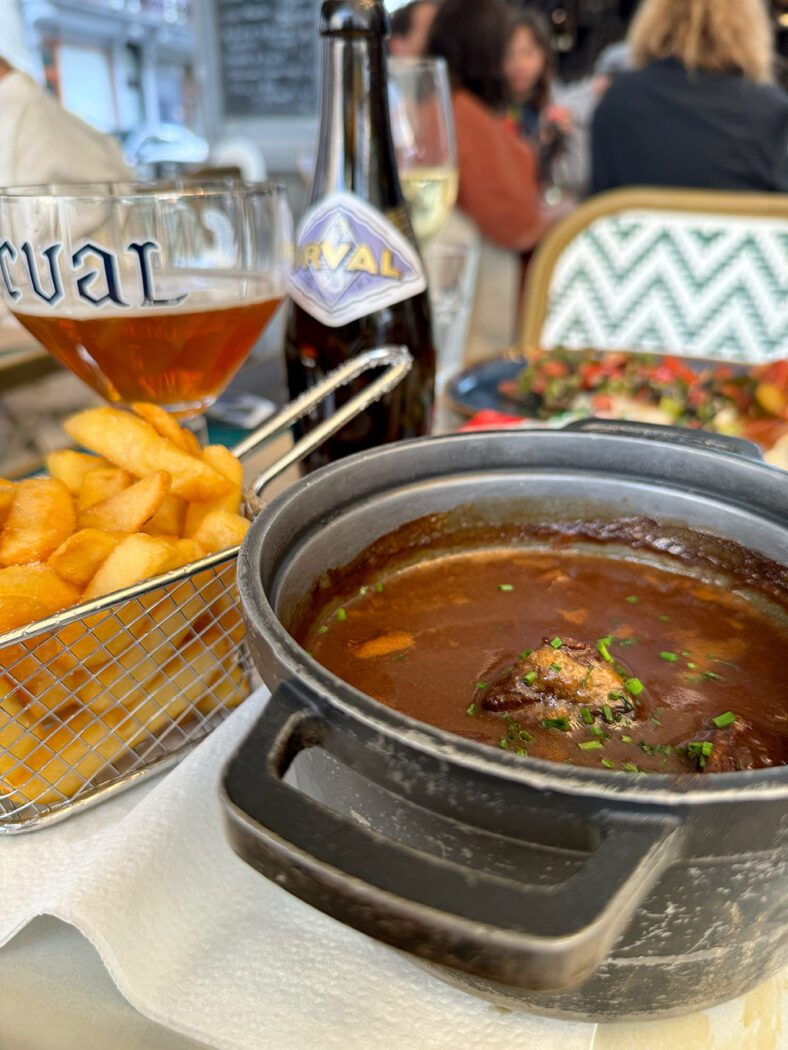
131,106
86,88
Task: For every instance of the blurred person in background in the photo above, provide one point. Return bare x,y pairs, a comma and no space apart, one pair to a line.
499,198
529,70
699,108
40,142
410,28
498,172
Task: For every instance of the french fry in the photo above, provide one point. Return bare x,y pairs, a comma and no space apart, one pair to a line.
221,530
7,492
42,516
133,444
80,557
101,485
16,611
167,427
130,509
221,459
183,552
71,467
39,582
169,519
136,558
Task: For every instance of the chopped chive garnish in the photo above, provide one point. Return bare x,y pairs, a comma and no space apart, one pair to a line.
472,710
626,739
598,731
632,599
655,718
587,716
630,767
634,686
624,642
322,630
692,666
557,643
525,736
522,752
341,614
721,721
608,763
504,743
670,657
702,750
616,696
686,652
693,679
712,676
586,678
525,654
555,667
399,657
363,590
379,588
602,648
529,678
591,745
481,685
505,587
556,723
664,619
607,711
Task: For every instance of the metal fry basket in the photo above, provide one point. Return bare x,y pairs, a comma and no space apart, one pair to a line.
97,697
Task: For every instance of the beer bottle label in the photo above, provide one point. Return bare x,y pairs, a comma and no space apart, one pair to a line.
351,261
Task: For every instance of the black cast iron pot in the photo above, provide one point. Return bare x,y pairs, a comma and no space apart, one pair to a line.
578,892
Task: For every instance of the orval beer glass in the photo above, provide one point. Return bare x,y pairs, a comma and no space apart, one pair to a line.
148,292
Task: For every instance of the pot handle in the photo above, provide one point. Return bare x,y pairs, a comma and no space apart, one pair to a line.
491,926
732,446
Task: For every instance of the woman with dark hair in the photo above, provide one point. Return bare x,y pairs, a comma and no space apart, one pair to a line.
499,183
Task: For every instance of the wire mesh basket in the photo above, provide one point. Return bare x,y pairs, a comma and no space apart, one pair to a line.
96,697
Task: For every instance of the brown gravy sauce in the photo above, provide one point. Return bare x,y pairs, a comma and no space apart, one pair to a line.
644,659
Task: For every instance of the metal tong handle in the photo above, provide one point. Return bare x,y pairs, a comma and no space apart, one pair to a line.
398,362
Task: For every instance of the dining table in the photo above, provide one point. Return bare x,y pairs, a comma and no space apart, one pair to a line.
63,987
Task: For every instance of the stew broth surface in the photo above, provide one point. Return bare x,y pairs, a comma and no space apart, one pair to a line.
570,657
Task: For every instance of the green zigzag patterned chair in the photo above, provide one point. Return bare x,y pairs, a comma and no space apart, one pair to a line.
694,273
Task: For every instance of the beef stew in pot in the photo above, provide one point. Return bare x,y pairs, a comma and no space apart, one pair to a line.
565,653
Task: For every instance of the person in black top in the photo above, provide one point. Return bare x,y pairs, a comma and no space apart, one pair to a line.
699,108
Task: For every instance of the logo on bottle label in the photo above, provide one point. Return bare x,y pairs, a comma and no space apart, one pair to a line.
351,261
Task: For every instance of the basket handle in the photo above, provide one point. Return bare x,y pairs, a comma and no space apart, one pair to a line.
397,362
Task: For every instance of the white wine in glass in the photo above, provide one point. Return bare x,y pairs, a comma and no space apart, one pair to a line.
431,193
423,130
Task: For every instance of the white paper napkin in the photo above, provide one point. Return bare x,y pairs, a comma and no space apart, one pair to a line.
202,944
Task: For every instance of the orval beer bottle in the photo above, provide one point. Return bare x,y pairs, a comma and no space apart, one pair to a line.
359,281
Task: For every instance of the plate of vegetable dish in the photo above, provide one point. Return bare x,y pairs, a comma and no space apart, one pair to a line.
552,386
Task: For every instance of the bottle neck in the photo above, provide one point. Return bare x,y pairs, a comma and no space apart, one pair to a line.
356,152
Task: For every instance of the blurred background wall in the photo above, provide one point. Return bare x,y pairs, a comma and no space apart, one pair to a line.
238,75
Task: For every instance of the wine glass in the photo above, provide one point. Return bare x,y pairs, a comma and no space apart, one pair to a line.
148,292
422,125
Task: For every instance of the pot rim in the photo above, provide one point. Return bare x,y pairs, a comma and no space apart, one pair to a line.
649,788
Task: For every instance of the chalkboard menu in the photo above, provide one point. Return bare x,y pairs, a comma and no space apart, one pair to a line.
269,57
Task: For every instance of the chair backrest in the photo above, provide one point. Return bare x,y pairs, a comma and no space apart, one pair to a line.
693,273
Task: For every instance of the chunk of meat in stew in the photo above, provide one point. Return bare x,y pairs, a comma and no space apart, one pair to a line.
560,679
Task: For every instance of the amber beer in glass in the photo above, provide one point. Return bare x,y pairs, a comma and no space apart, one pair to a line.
358,279
147,293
